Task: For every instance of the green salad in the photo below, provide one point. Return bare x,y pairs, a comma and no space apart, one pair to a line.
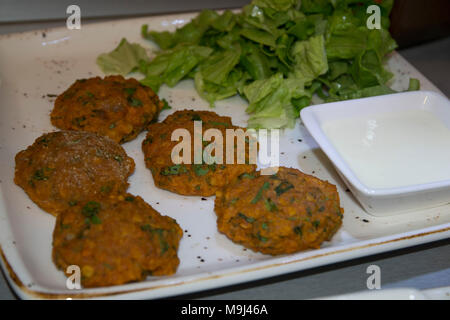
274,53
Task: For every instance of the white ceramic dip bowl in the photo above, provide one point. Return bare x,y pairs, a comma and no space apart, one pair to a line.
392,151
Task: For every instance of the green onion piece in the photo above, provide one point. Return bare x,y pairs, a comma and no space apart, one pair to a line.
248,219
199,170
283,187
258,196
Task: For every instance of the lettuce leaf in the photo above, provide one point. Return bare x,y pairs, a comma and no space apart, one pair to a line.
190,33
217,78
213,92
271,101
367,70
173,65
310,59
377,90
123,59
346,43
254,61
414,84
278,5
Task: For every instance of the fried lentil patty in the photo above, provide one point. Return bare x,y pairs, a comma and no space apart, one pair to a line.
115,241
113,106
279,214
62,168
190,179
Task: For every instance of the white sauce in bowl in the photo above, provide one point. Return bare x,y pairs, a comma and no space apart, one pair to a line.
393,149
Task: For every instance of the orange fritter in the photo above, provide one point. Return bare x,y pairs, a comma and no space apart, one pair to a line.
65,167
279,214
115,241
113,106
200,179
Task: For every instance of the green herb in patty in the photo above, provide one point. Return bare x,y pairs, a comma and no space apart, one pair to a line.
159,233
248,219
283,187
270,205
40,174
174,170
200,170
129,91
258,196
90,211
134,102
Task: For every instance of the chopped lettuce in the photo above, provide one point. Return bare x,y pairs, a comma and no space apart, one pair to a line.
254,61
414,84
217,78
310,59
173,65
190,33
218,66
346,44
275,53
213,92
278,5
270,101
123,59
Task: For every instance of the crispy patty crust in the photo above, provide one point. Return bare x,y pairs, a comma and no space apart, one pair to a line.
115,241
189,179
279,214
113,106
62,168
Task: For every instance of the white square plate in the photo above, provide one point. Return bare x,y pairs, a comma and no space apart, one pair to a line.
36,65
